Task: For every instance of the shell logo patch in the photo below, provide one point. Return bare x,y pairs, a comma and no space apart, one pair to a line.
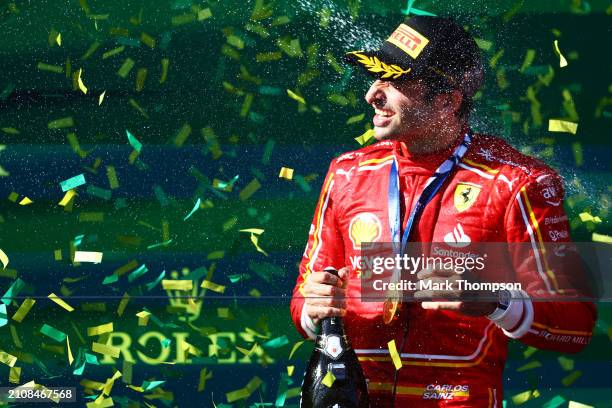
408,40
364,227
465,195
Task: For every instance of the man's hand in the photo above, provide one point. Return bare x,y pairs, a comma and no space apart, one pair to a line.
324,294
447,280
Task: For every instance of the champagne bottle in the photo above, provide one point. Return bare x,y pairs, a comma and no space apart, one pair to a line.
333,354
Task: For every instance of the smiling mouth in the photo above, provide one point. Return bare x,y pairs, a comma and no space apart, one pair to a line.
384,113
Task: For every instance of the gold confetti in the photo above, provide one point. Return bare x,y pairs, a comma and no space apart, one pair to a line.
23,310
101,329
60,302
295,96
4,259
143,318
165,63
7,358
67,198
397,361
206,284
556,125
80,83
25,201
286,173
329,379
249,190
105,349
562,60
126,67
15,375
169,284
101,97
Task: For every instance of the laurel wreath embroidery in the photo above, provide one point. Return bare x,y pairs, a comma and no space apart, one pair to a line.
373,64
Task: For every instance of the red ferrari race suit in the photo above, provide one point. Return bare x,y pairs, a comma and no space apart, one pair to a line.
448,359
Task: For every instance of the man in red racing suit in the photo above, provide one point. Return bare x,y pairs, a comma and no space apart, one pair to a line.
449,359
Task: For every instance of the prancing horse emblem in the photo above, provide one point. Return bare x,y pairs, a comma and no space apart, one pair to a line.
465,195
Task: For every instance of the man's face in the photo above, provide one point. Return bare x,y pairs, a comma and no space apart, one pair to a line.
401,110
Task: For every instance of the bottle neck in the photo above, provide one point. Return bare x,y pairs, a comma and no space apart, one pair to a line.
332,325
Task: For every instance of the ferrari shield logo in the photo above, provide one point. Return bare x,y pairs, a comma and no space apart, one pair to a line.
465,195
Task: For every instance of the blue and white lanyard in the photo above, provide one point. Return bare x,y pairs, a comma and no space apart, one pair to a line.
431,188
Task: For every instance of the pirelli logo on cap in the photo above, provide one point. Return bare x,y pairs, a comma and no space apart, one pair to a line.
408,40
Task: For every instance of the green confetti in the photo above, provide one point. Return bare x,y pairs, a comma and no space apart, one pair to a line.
72,182
133,141
52,332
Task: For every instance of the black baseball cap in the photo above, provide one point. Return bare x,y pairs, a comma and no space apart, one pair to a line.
426,47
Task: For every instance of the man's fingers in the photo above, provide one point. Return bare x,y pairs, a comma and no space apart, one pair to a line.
326,301
325,278
320,312
343,273
317,289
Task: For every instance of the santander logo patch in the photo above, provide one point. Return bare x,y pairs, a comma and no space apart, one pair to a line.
457,238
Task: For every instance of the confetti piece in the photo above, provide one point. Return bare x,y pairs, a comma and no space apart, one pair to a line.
23,310
101,97
101,329
204,376
67,198
295,96
141,77
397,362
13,291
15,375
74,144
586,217
133,141
355,119
3,315
365,137
571,378
105,349
80,83
529,57
50,68
562,60
25,201
206,284
123,304
523,397
60,302
165,64
255,232
52,332
73,182
578,154
193,210
7,358
484,45
295,347
574,404
179,284
4,259
555,125
69,350
10,131
529,366
277,342
182,135
61,123
138,273
143,317
286,173
606,239
204,14
88,256
249,190
566,363
125,68
329,379
529,351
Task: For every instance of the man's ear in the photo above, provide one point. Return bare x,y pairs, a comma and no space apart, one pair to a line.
449,103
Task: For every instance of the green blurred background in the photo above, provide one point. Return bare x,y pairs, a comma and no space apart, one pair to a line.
203,86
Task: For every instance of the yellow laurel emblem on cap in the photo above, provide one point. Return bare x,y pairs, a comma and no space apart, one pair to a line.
365,227
373,64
